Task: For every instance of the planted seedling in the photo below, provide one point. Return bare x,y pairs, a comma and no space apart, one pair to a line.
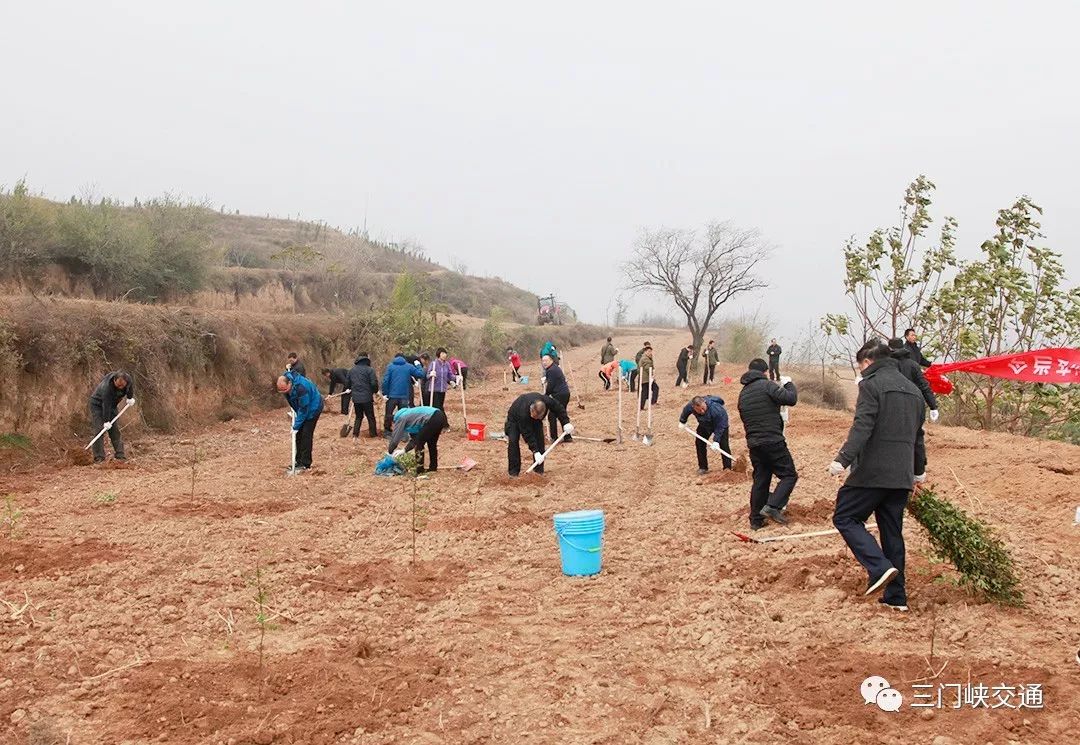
419,495
105,498
12,516
263,616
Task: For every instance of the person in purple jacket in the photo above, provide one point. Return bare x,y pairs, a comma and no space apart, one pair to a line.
438,379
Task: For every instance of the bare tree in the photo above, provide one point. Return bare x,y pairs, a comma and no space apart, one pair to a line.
698,272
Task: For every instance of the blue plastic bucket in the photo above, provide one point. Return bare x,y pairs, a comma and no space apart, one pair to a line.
581,537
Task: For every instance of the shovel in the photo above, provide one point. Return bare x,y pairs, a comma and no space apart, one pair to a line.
648,438
505,386
707,442
546,452
104,429
573,382
595,439
467,465
292,469
335,395
769,539
618,428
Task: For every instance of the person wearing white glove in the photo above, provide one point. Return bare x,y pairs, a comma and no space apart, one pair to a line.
712,419
538,458
761,402
104,407
884,450
836,468
568,430
934,414
525,421
784,380
920,478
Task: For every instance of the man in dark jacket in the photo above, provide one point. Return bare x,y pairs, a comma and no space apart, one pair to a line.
364,384
525,420
306,402
555,385
882,446
338,377
635,373
682,365
910,370
397,386
759,408
293,364
712,419
773,353
103,409
711,357
608,352
911,341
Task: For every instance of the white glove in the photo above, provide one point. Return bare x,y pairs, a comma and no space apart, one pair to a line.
431,374
784,380
568,429
543,382
784,413
399,452
858,379
934,414
835,468
715,447
131,402
920,477
538,458
107,426
682,425
460,378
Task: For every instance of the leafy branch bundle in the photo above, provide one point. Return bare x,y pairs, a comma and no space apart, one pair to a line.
984,564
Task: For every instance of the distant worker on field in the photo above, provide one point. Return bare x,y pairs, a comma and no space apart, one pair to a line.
711,357
682,365
438,379
338,377
103,409
608,352
773,353
525,421
647,371
397,386
627,368
459,370
556,387
637,361
759,408
424,424
550,350
306,402
515,363
911,341
712,419
607,371
364,384
293,363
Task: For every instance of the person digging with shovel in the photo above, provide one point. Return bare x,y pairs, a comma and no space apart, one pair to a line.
759,408
557,388
712,419
338,377
424,424
646,371
306,402
103,402
364,384
525,420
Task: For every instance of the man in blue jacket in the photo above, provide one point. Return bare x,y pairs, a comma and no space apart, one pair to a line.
306,402
712,419
397,386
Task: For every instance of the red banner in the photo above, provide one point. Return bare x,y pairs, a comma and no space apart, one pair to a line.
1059,365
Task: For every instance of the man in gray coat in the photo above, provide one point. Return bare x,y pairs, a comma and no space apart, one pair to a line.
882,447
103,409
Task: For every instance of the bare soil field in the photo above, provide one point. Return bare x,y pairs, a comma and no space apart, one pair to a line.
129,612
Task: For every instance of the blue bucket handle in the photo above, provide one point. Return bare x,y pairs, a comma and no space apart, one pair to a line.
571,544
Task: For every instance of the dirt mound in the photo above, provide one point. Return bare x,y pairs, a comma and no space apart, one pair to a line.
424,580
220,509
22,559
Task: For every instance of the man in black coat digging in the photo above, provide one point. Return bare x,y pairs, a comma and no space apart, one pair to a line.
883,444
338,377
103,409
525,420
759,408
364,384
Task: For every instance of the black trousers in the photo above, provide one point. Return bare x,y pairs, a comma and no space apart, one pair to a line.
513,444
515,373
607,380
364,410
645,395
703,449
854,504
305,439
553,421
774,368
392,405
97,421
710,376
633,379
771,460
438,400
464,378
682,376
428,439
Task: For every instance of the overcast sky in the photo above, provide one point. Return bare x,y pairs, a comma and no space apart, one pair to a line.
535,141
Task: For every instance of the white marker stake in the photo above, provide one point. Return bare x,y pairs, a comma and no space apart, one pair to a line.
619,428
464,413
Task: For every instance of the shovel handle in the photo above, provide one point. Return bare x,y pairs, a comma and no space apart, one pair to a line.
104,430
707,442
547,452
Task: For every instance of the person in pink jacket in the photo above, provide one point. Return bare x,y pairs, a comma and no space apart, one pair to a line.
460,369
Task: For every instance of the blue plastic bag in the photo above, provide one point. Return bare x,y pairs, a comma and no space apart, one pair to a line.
388,466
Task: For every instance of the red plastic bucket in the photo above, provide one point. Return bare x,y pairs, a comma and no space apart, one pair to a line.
476,431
